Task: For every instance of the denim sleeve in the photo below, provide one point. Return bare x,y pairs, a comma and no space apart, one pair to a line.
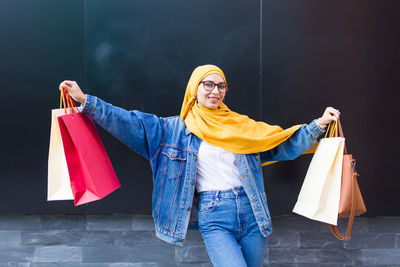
140,131
301,141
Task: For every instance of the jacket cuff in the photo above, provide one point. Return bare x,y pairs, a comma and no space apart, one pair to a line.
90,105
314,129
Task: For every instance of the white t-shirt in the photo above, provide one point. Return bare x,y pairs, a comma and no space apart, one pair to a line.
216,169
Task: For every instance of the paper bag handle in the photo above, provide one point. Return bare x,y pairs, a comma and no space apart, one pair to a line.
66,101
332,130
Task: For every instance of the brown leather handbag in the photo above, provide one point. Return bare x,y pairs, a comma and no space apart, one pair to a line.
351,202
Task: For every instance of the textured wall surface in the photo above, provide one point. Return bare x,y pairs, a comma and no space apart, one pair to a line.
127,240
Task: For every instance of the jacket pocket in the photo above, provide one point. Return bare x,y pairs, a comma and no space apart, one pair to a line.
175,161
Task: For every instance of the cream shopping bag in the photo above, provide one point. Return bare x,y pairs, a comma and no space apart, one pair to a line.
58,183
320,194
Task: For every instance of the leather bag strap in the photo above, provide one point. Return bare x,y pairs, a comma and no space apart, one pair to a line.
341,135
334,229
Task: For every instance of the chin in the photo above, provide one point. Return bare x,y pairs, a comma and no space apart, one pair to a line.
213,107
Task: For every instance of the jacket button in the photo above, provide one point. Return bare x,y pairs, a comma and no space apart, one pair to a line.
243,176
253,201
191,182
180,240
188,208
195,157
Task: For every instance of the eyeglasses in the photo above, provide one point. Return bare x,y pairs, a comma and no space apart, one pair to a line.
210,85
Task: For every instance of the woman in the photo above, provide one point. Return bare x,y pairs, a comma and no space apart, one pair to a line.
208,154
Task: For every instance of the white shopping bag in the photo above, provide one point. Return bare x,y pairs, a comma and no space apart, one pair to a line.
320,194
58,183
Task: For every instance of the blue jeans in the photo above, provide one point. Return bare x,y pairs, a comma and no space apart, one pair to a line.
229,229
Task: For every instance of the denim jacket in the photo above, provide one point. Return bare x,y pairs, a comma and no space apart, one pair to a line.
173,150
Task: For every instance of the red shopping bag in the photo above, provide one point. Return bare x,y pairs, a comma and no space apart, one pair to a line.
91,174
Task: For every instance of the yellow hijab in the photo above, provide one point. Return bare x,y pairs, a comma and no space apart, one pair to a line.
224,128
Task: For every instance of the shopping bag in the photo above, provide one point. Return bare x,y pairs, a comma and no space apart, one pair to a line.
91,174
58,183
351,202
320,193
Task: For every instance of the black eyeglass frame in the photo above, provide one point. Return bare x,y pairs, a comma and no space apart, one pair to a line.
215,84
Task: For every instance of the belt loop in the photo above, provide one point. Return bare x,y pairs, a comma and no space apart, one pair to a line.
217,195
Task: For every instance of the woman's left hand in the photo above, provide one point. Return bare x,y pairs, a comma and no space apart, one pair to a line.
329,115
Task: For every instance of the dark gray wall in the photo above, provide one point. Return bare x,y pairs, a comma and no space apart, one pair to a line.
140,54
42,42
340,53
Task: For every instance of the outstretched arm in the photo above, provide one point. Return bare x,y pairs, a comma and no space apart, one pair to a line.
140,131
302,140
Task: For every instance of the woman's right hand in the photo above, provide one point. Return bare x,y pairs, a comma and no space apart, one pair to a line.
74,90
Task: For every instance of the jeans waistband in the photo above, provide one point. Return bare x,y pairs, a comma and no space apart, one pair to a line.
230,193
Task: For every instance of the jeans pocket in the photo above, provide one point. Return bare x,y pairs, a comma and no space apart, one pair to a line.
207,205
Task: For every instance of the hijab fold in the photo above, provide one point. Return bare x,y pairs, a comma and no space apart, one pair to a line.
224,128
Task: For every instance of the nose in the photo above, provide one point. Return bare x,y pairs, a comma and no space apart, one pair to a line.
215,90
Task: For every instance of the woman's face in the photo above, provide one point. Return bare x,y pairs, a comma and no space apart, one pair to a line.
210,99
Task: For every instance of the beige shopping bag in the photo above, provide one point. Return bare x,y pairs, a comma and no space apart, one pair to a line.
320,194
58,183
